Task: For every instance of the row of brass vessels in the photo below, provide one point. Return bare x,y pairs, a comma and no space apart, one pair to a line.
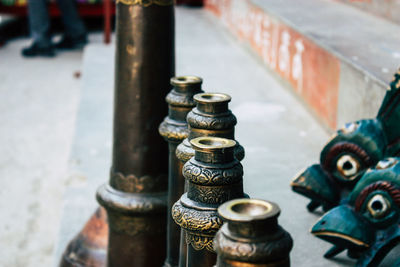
165,202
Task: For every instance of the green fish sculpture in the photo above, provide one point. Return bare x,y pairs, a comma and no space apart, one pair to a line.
350,152
367,225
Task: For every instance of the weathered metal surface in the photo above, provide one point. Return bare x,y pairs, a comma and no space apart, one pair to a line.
174,130
251,236
213,176
136,197
350,152
368,224
211,117
89,247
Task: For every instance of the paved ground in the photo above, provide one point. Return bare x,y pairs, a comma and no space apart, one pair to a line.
39,100
56,154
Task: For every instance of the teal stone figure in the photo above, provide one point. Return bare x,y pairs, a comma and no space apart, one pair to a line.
350,152
367,225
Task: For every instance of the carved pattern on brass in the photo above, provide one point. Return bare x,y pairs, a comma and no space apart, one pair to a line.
202,121
208,176
132,183
195,220
261,251
180,100
173,132
214,195
146,3
184,151
200,242
130,203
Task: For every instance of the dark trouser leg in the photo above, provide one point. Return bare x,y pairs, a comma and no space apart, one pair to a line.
74,27
39,22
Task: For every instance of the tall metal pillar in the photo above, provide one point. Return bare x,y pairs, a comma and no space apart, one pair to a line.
136,196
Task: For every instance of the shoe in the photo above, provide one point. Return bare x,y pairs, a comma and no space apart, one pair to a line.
35,50
68,43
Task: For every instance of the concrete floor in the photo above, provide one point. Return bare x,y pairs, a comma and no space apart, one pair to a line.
39,101
56,139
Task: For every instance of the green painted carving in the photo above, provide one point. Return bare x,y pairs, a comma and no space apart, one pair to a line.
350,152
367,223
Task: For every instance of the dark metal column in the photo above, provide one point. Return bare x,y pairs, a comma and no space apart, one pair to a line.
174,130
135,198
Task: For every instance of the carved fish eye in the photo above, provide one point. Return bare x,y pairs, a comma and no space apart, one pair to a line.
348,166
378,205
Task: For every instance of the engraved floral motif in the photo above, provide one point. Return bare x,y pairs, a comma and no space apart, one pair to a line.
184,151
262,251
217,122
213,194
173,132
195,220
183,100
206,176
200,242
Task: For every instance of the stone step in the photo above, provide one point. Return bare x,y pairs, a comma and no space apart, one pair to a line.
337,59
388,9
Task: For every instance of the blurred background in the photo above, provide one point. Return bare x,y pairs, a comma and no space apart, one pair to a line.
296,70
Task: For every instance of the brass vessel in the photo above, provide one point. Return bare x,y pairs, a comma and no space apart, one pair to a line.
136,196
251,235
213,176
174,130
211,117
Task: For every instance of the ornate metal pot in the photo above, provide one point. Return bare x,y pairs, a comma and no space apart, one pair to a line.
214,176
350,152
210,117
251,236
174,129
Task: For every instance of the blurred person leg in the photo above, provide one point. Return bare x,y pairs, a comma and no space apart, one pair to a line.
39,24
75,36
